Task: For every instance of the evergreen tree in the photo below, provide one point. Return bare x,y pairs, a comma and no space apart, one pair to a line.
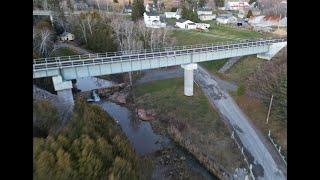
137,10
249,14
219,3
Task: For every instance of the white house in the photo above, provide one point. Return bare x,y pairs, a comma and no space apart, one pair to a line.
152,20
236,5
150,7
241,14
202,26
66,36
175,15
207,17
186,24
204,11
80,6
127,9
226,19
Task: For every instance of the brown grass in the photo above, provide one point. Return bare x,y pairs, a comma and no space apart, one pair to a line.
191,122
257,112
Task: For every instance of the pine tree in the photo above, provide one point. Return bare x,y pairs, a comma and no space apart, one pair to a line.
137,10
249,14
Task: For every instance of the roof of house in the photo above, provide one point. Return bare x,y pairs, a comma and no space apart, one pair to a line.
65,33
182,20
203,9
152,13
127,6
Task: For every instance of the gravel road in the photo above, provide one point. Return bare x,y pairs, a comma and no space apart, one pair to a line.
264,165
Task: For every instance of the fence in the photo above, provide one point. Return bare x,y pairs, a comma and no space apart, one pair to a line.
278,147
242,153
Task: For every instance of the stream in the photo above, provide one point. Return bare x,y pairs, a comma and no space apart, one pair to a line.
140,133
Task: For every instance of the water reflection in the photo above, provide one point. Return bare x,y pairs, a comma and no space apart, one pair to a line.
140,133
90,83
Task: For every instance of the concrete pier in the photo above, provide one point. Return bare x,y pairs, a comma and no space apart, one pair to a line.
188,78
64,90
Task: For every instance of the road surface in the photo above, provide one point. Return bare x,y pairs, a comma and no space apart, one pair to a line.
264,165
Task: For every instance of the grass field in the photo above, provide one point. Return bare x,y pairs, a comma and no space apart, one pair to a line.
214,35
214,66
63,52
189,120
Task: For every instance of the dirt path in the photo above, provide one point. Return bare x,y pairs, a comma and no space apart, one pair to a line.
72,46
264,164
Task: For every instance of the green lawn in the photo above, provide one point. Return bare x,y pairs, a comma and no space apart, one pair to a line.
200,128
63,52
243,68
214,66
217,33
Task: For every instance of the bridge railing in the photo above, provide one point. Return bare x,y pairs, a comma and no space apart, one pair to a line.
80,60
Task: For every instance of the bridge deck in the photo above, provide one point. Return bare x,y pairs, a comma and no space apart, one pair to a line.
155,58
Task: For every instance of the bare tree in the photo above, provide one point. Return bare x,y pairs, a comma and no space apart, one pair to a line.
273,7
83,30
42,41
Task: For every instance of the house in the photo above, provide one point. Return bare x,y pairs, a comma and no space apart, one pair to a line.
152,20
127,9
186,24
226,19
175,15
207,17
66,36
80,6
241,14
236,5
151,7
204,12
202,26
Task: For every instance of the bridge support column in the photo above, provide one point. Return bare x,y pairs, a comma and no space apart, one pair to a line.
188,78
64,91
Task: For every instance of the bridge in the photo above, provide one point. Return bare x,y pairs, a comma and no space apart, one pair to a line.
64,69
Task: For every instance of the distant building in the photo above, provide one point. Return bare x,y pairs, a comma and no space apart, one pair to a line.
66,36
226,19
186,24
127,9
205,14
80,6
236,5
202,26
175,15
207,17
150,7
152,20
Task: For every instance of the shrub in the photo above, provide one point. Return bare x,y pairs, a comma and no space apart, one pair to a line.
241,90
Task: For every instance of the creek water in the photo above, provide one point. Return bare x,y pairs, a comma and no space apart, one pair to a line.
140,133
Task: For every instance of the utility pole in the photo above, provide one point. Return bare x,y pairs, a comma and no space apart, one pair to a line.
269,109
130,77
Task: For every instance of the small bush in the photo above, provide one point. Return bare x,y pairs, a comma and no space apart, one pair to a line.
241,90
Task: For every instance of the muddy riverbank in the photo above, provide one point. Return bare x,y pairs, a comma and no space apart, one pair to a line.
169,160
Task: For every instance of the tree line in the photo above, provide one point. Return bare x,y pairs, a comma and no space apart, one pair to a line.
92,146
